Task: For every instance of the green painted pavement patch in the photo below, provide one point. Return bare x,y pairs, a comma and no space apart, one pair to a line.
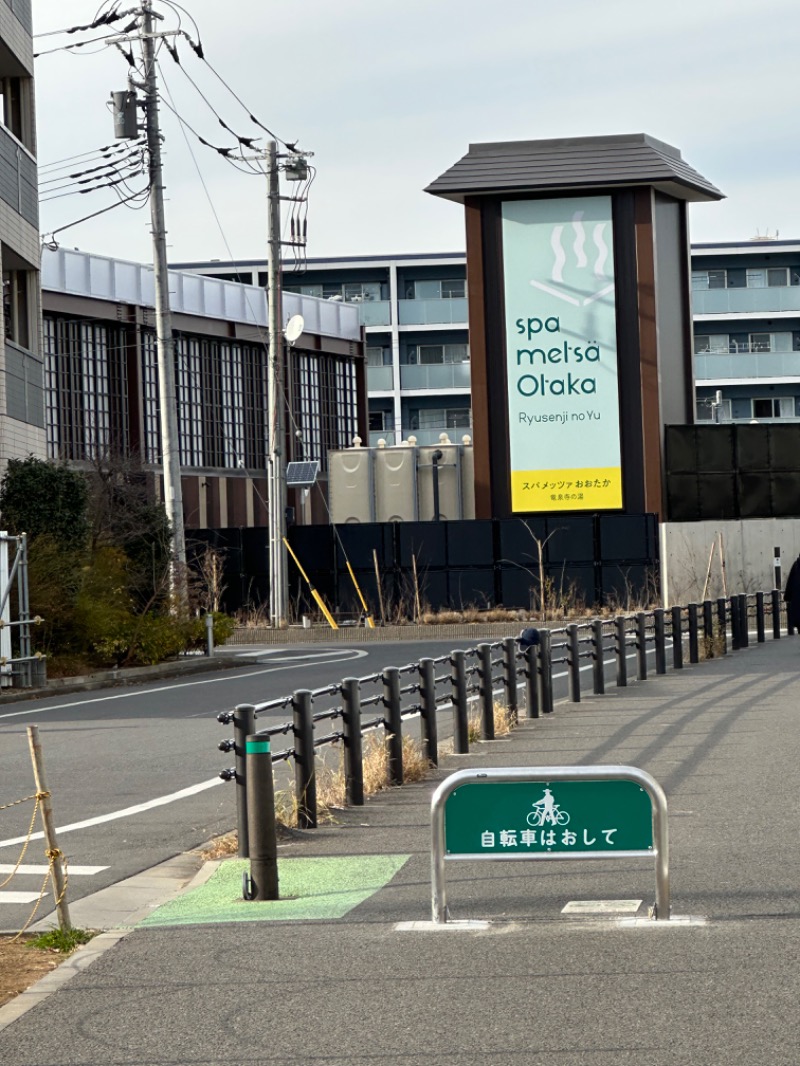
321,888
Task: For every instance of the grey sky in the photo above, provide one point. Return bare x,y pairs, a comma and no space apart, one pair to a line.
388,95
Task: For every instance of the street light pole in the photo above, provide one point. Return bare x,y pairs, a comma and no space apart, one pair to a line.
171,463
276,401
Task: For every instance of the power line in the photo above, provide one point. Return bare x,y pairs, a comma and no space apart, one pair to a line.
106,151
72,47
247,142
226,153
53,243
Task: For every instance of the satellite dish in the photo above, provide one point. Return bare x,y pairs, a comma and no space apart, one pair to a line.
294,327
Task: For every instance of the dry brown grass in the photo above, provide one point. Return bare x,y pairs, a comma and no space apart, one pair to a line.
503,722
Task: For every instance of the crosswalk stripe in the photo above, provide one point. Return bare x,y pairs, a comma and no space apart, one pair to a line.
74,871
18,897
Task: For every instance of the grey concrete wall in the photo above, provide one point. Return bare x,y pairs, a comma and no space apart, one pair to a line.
747,548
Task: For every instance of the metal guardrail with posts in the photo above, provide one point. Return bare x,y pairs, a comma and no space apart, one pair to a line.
479,675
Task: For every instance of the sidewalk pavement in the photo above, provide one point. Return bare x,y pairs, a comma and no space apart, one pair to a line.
333,977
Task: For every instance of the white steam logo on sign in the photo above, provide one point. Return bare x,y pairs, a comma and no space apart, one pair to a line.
560,259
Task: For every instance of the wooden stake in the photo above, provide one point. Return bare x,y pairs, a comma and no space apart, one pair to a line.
708,570
722,567
53,852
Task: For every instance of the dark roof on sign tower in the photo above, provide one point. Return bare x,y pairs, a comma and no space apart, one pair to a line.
573,162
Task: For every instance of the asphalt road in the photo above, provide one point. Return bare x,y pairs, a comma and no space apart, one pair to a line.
149,751
133,772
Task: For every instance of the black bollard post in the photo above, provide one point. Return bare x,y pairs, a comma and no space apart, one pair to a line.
660,640
760,626
458,677
574,663
394,724
532,682
708,628
621,649
722,619
598,664
353,748
545,657
305,778
744,631
641,646
694,642
510,648
427,699
485,694
676,628
776,614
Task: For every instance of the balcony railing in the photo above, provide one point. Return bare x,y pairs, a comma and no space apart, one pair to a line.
743,301
431,434
375,312
18,180
380,379
712,366
435,376
432,312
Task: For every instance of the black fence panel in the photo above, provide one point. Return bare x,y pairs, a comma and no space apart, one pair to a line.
443,565
733,471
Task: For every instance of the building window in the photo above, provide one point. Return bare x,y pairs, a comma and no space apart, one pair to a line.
777,276
377,421
86,389
709,279
377,356
438,289
351,292
441,418
433,354
16,306
711,342
773,407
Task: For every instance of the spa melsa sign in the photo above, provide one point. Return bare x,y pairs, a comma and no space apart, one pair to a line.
563,397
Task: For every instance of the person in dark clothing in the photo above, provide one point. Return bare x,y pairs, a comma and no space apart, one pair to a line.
792,597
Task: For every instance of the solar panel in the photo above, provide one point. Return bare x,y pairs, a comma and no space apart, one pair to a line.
303,474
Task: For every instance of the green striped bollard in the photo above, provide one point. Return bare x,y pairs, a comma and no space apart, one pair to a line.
263,837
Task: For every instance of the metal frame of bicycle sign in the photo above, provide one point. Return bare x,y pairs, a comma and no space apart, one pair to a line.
659,850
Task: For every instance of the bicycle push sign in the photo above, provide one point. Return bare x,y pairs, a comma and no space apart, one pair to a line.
566,812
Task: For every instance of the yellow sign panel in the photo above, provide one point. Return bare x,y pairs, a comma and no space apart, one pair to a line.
588,489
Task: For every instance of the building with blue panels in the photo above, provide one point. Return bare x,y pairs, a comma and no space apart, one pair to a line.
746,312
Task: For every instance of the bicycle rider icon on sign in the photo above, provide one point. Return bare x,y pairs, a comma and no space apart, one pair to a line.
547,812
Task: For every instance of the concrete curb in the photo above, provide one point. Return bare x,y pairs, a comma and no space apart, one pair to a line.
471,631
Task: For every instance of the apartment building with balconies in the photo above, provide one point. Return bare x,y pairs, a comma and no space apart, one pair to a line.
21,393
746,310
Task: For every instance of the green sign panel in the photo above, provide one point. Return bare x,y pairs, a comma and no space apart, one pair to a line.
537,818
561,353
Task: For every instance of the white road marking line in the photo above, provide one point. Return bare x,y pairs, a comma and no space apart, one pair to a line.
170,688
161,801
74,871
18,897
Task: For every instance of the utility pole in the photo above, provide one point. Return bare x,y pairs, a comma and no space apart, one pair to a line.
278,577
171,460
